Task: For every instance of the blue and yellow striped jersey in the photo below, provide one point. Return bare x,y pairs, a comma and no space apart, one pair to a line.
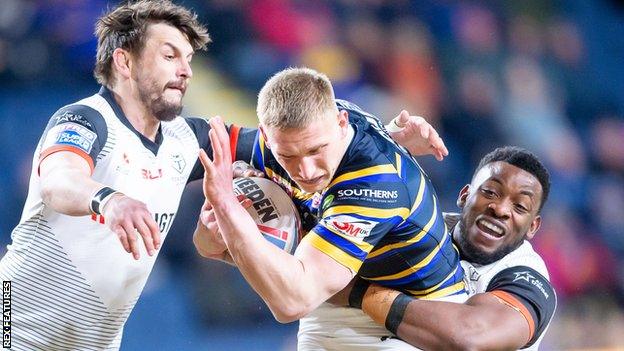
379,216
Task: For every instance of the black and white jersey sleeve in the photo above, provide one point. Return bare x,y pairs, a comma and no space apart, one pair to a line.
241,143
76,128
528,292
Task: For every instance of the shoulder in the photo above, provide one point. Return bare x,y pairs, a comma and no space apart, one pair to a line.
525,256
78,121
196,123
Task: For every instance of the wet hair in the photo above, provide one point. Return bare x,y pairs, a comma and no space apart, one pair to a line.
524,160
126,26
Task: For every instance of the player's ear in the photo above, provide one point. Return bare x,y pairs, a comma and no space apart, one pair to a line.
264,136
535,225
463,195
343,121
122,62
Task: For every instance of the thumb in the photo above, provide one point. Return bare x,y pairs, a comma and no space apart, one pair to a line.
402,119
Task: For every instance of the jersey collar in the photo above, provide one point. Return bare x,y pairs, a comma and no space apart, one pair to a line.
150,145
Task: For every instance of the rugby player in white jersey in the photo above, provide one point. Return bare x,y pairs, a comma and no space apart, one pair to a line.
107,178
512,300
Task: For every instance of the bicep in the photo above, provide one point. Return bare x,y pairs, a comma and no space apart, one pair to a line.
55,164
66,183
502,324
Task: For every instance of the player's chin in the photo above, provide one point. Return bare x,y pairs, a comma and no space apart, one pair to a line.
312,188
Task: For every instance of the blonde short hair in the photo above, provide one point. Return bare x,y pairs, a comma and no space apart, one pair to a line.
295,97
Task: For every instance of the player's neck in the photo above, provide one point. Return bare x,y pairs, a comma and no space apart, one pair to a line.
348,139
136,112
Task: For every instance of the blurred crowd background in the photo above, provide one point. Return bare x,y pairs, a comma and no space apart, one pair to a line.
545,75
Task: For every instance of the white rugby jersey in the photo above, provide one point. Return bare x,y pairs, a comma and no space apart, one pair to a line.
520,279
73,284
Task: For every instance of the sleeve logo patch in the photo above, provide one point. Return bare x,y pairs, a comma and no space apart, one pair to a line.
529,278
349,226
70,134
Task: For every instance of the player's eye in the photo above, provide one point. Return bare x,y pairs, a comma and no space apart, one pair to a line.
521,208
487,193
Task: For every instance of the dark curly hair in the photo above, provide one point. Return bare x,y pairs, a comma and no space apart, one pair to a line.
524,160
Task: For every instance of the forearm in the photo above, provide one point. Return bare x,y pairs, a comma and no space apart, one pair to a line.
279,278
479,324
68,191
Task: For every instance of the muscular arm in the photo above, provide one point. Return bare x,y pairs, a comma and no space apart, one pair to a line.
481,323
292,286
513,313
66,184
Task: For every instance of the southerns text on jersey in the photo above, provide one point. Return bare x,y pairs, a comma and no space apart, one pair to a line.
379,194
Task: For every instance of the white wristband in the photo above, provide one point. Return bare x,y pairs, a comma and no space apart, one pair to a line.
107,199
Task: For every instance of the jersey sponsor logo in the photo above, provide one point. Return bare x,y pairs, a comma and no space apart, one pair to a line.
178,162
350,226
151,174
72,117
163,220
70,134
328,200
371,193
531,279
264,206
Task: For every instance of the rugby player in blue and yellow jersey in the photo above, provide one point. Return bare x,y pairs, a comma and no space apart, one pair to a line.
369,208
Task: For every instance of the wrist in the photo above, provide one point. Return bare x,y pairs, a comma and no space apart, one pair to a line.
101,198
377,302
396,313
225,204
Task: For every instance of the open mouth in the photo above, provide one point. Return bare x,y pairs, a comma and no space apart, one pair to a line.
491,228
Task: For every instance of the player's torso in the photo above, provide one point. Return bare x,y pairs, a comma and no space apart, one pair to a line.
376,177
155,177
478,277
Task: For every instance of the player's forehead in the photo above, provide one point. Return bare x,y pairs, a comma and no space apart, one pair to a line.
159,35
312,136
509,176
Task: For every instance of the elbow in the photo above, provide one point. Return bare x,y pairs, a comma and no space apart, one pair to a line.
288,314
466,344
46,192
468,339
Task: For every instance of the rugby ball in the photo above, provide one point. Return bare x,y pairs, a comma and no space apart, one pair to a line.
273,211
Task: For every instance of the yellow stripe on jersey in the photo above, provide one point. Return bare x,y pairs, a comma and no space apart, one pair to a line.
419,195
450,290
419,293
367,211
374,170
398,163
261,141
332,251
425,261
416,238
